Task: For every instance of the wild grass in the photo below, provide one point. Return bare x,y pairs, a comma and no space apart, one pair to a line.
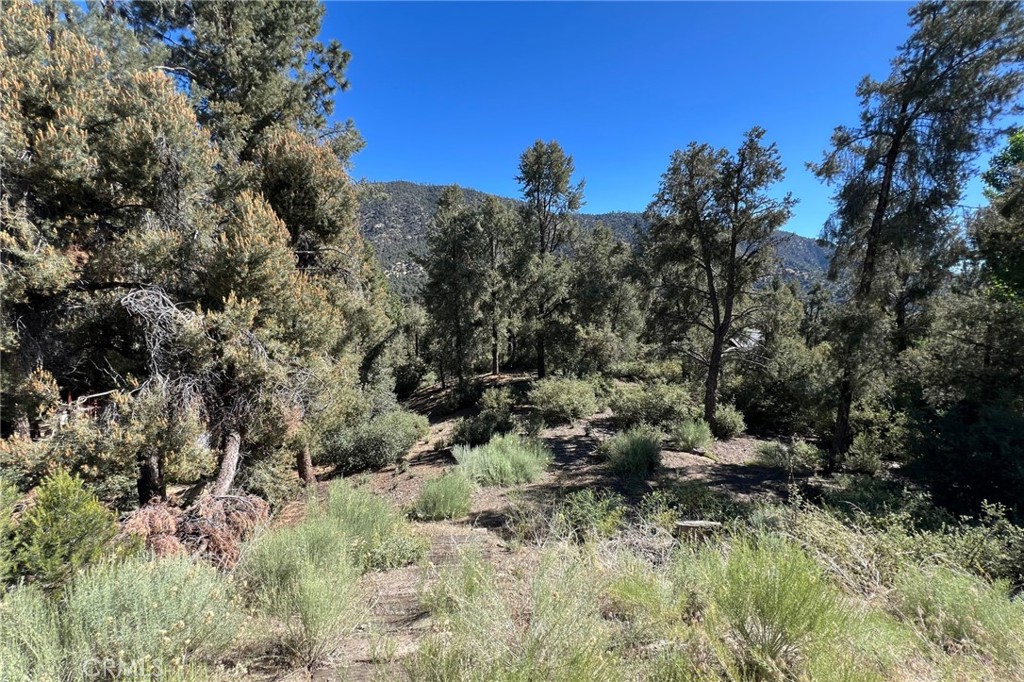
958,612
692,435
30,645
304,578
446,497
377,534
505,460
799,458
633,454
166,612
564,636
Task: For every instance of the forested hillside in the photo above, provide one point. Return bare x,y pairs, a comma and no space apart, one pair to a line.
393,216
259,423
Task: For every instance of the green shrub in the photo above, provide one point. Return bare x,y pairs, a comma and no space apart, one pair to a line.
9,497
506,460
692,435
409,376
304,577
799,458
377,443
495,418
30,646
633,454
659,404
696,500
773,601
584,515
64,530
563,400
447,497
864,455
378,537
728,422
562,636
956,612
152,614
273,478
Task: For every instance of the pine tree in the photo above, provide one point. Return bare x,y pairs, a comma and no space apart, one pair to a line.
713,225
901,172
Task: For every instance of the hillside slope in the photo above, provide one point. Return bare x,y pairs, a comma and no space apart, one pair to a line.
394,217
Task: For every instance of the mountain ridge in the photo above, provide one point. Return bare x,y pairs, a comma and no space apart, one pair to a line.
393,217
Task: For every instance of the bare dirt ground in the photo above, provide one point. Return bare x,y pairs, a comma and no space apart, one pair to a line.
397,619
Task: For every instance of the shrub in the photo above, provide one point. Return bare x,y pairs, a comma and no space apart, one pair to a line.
695,500
378,537
272,478
864,455
30,647
585,515
377,443
957,611
799,458
495,418
692,434
64,530
409,376
563,637
635,453
447,497
304,577
563,400
728,422
774,602
659,404
164,611
8,499
506,460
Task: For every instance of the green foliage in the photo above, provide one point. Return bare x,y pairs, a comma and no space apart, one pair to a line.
728,423
633,454
956,611
273,478
586,515
692,434
63,531
304,576
162,611
9,497
495,418
30,645
377,535
799,457
505,460
563,400
446,497
774,600
377,443
658,404
564,637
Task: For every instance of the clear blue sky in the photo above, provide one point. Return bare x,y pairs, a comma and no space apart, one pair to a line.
453,92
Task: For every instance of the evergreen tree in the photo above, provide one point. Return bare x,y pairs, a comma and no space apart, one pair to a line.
900,173
711,241
551,199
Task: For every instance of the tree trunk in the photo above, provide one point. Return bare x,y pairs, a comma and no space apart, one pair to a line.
151,484
304,466
494,348
843,438
711,384
228,464
541,369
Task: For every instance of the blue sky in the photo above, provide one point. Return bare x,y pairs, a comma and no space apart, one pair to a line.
454,92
